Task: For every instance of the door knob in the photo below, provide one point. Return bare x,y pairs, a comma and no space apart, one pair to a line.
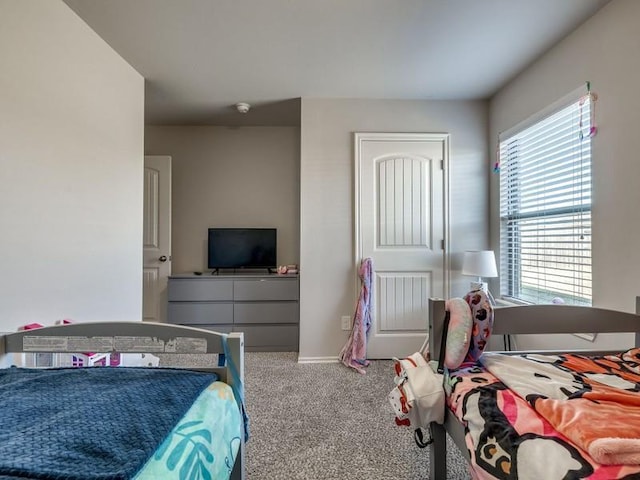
163,258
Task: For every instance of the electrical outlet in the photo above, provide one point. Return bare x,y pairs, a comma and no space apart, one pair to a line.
346,322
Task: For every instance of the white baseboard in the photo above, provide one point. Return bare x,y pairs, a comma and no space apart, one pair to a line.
318,359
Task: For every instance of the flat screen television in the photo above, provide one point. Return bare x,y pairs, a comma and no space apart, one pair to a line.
242,248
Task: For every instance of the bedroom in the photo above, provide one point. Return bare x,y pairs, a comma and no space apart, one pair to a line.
86,196
93,259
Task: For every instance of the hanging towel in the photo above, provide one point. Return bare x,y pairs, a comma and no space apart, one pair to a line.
354,353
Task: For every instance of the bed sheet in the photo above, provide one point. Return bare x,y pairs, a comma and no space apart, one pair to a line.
508,439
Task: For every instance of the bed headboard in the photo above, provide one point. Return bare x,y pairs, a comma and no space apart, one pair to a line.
525,319
128,337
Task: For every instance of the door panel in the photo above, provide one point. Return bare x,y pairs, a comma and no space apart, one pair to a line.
402,300
400,217
402,201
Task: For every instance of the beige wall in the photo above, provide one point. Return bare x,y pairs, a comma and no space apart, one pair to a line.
604,50
230,177
71,137
328,267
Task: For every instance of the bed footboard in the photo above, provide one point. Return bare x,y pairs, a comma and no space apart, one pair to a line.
547,319
138,337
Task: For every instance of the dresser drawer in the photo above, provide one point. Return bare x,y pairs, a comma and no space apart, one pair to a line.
199,313
278,337
266,289
260,312
201,289
214,328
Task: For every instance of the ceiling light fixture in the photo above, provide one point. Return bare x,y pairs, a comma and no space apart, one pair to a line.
243,107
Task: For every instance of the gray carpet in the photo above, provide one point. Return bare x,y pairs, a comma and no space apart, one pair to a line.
327,422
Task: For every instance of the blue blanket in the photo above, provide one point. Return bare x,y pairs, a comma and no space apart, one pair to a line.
89,423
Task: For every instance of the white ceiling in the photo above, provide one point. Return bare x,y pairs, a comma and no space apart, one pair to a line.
200,57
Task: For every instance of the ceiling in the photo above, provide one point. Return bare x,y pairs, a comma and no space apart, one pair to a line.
201,57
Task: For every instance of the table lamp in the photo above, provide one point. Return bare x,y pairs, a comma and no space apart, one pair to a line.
479,263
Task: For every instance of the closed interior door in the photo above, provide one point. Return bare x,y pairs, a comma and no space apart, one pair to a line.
401,224
156,237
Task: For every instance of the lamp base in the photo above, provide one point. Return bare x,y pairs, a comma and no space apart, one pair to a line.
484,286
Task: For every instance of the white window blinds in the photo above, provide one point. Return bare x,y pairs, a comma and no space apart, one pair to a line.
545,209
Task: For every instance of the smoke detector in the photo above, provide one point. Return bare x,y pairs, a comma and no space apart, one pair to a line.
243,107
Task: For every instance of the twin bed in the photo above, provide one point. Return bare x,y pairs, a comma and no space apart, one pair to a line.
123,422
544,415
548,415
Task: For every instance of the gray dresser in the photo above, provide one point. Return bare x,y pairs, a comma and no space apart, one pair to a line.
264,307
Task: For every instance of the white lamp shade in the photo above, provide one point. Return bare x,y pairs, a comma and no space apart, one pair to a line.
479,263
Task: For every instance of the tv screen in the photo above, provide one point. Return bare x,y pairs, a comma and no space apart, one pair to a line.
242,248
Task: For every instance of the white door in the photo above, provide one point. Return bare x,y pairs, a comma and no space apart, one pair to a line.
401,208
157,237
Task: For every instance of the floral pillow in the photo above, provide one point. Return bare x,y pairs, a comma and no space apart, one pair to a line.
482,314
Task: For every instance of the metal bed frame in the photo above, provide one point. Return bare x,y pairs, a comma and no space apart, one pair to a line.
137,337
525,319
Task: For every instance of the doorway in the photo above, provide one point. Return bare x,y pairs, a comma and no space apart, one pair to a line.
156,237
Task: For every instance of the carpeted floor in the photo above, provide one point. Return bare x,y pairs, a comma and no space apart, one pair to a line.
327,422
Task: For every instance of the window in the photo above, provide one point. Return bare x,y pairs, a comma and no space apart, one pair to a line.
545,207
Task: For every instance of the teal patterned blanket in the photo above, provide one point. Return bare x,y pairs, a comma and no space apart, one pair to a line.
205,443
